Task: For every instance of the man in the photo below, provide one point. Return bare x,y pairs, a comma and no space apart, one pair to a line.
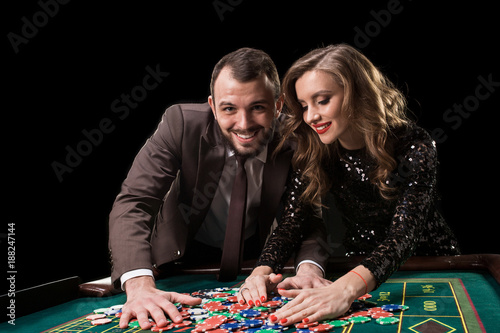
174,204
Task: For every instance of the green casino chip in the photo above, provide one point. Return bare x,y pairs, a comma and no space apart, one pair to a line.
338,323
387,321
267,331
359,320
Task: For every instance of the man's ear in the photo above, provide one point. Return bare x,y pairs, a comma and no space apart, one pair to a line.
212,105
279,105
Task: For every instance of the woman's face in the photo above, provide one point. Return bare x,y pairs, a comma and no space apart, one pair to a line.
321,98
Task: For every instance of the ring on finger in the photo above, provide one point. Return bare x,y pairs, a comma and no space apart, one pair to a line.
241,292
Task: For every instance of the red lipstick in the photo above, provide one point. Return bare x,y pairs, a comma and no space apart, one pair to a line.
322,128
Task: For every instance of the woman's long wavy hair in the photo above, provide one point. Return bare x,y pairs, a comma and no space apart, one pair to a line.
372,105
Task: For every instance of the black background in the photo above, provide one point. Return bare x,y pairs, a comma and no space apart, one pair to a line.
85,55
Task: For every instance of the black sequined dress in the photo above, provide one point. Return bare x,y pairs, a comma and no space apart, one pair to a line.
388,232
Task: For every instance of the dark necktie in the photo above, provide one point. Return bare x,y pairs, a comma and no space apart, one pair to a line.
233,241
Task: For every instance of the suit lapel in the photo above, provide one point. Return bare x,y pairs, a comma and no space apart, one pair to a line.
211,159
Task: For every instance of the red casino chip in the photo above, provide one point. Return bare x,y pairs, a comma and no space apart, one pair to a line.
376,309
162,328
200,328
232,299
272,304
215,321
184,323
361,314
384,314
211,304
306,325
217,308
235,308
321,328
365,297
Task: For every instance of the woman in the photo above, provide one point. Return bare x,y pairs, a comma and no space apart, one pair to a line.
354,140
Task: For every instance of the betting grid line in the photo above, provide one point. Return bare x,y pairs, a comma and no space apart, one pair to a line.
70,326
458,307
400,324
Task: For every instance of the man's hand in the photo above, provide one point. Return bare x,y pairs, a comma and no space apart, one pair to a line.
257,285
308,276
144,301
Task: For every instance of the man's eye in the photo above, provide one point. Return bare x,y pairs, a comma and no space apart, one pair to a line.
228,109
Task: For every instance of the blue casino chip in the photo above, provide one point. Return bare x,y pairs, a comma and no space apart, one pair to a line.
250,313
392,307
252,323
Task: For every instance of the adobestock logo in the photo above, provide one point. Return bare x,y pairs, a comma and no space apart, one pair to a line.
121,107
30,28
455,116
381,19
223,6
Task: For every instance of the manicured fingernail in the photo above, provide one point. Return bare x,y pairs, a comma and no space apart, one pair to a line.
263,298
283,321
279,275
280,289
305,320
178,319
242,302
250,302
257,302
273,318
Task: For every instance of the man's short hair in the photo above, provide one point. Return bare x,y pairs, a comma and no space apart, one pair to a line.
247,64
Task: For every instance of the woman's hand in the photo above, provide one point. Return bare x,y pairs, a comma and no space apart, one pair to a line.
324,302
256,287
313,304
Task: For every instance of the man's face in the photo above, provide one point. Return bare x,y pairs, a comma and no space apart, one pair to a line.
246,112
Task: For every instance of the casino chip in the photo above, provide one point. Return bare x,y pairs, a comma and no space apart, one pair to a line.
322,328
220,312
252,323
338,323
306,325
249,313
102,321
392,307
387,321
184,323
231,326
376,315
272,304
96,316
359,320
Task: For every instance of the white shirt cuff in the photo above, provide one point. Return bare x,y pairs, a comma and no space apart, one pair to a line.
135,273
310,262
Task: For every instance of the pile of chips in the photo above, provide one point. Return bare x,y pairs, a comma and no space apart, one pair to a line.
220,312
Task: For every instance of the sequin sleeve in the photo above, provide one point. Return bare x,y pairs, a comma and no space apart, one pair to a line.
415,180
288,235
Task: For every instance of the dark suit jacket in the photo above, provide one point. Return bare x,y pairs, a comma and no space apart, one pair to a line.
170,186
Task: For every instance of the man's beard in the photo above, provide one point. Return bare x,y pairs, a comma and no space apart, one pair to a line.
268,136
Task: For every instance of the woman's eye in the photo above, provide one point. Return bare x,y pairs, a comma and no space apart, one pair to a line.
324,101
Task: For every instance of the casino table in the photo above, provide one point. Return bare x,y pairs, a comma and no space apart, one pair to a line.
443,294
